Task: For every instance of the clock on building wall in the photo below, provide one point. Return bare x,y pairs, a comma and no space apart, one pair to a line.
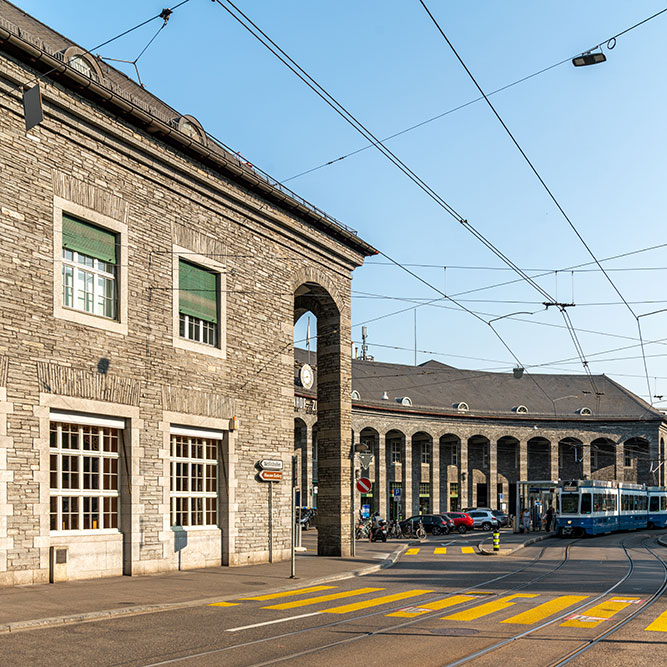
307,376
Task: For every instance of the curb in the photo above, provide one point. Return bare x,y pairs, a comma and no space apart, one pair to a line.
88,617
484,551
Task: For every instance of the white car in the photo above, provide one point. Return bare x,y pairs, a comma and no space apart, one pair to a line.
483,519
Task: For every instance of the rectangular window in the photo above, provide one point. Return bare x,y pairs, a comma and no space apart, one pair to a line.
194,481
198,303
455,455
454,490
396,451
89,268
424,489
627,458
84,476
426,452
586,503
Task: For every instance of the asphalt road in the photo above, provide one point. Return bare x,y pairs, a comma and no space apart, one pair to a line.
439,605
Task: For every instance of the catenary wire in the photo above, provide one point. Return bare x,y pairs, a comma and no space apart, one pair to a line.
545,186
468,103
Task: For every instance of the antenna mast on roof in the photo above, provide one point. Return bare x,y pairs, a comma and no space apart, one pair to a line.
364,346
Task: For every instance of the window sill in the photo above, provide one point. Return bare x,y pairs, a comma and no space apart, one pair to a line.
106,532
201,348
60,312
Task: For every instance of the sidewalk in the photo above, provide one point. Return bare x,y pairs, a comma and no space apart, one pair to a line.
511,542
41,605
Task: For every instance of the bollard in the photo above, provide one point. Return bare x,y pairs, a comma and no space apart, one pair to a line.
496,541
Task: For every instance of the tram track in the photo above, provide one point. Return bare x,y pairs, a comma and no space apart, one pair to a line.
384,612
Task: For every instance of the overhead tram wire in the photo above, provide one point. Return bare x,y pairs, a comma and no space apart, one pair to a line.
95,48
469,102
296,69
538,175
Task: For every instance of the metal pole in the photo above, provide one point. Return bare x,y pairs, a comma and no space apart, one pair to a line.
354,520
293,515
270,522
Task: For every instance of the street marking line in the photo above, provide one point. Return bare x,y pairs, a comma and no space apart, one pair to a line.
545,610
440,550
277,620
660,623
467,550
222,604
323,598
375,602
488,608
285,594
411,612
598,614
412,552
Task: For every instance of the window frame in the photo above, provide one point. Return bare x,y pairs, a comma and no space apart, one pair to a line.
425,453
86,425
219,350
119,324
396,451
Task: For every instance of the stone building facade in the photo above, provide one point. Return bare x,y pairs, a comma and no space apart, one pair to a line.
448,438
149,286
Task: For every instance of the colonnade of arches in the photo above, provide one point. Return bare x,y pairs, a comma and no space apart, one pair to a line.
422,473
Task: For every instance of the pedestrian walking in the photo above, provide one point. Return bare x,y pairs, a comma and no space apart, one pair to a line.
549,518
525,520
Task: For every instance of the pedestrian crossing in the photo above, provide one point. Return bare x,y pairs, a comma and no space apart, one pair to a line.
461,608
440,551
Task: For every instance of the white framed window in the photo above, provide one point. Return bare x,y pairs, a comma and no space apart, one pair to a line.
199,303
454,460
194,478
84,474
627,457
396,456
425,452
90,268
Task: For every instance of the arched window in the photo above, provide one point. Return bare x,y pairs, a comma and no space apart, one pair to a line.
586,412
461,406
520,409
404,400
355,395
82,62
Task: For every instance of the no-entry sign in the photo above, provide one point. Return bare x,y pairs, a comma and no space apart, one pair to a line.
363,485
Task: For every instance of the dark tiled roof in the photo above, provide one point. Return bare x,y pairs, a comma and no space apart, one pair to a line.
436,387
147,108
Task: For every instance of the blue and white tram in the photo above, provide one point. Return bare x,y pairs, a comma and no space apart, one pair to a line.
657,507
593,507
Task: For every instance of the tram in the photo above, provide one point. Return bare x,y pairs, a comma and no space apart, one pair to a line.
657,507
594,507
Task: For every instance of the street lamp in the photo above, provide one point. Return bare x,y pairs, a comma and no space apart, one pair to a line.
589,59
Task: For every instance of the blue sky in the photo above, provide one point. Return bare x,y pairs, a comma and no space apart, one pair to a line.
597,136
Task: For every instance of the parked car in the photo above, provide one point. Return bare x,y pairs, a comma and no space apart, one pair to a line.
462,522
436,524
483,519
503,519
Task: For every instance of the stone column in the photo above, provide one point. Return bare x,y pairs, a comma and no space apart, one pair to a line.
464,474
381,475
407,477
620,462
523,460
492,484
553,460
435,477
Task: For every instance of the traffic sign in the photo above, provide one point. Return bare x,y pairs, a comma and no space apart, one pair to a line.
397,493
271,464
366,460
364,485
271,475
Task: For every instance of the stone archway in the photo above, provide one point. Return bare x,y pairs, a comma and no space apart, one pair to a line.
478,465
539,462
603,459
334,373
450,487
637,461
570,459
371,438
399,490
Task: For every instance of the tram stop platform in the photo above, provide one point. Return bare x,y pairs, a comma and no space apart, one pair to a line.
511,542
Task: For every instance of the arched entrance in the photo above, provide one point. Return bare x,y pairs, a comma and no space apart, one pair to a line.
637,462
398,490
334,375
371,438
539,464
570,458
603,459
478,464
422,483
450,457
508,472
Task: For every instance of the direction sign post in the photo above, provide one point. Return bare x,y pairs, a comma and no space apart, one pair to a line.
270,475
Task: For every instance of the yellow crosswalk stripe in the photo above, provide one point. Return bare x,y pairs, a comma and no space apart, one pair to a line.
223,604
440,550
412,552
411,612
660,623
467,550
591,618
285,594
375,602
323,598
488,608
545,610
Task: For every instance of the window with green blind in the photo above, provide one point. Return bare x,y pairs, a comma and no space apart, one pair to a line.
197,303
89,240
89,268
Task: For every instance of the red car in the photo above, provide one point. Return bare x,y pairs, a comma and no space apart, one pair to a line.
462,522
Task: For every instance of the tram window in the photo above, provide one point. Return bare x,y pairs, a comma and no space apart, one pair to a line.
654,504
569,503
663,503
585,503
598,502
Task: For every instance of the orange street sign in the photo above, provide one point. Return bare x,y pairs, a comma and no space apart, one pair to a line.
271,475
